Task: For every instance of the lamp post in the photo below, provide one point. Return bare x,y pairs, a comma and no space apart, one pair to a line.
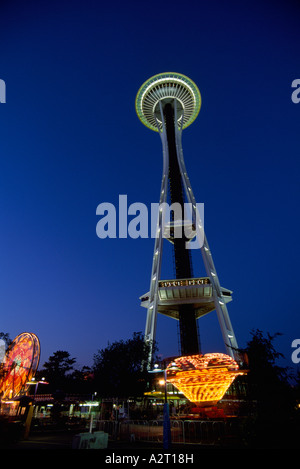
91,420
36,383
166,414
30,411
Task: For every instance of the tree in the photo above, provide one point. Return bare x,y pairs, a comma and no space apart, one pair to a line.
57,370
267,380
83,380
270,389
119,370
6,338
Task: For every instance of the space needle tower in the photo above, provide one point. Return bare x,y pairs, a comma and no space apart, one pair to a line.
167,103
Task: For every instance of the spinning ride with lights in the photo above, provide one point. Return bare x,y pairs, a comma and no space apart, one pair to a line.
19,365
203,379
167,103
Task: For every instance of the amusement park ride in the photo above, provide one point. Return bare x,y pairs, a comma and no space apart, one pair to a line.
19,366
167,103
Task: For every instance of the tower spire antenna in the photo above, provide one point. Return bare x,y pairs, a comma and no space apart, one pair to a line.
167,103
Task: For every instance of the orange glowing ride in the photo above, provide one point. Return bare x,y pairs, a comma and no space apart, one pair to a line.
203,379
19,365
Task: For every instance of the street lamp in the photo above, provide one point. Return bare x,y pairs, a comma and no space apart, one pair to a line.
91,421
166,413
30,411
36,383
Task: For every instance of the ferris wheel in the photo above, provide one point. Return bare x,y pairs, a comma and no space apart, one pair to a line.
19,365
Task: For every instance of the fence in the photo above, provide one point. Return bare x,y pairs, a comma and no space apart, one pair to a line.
205,432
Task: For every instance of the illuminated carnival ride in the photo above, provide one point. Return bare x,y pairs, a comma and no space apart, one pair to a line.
19,365
203,379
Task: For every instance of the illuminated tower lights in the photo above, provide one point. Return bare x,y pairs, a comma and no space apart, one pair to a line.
167,103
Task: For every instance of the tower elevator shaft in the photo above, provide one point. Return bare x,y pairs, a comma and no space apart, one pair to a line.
189,342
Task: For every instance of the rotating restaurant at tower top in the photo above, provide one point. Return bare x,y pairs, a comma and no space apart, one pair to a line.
168,87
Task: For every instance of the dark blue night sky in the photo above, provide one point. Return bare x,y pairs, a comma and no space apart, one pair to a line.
70,140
